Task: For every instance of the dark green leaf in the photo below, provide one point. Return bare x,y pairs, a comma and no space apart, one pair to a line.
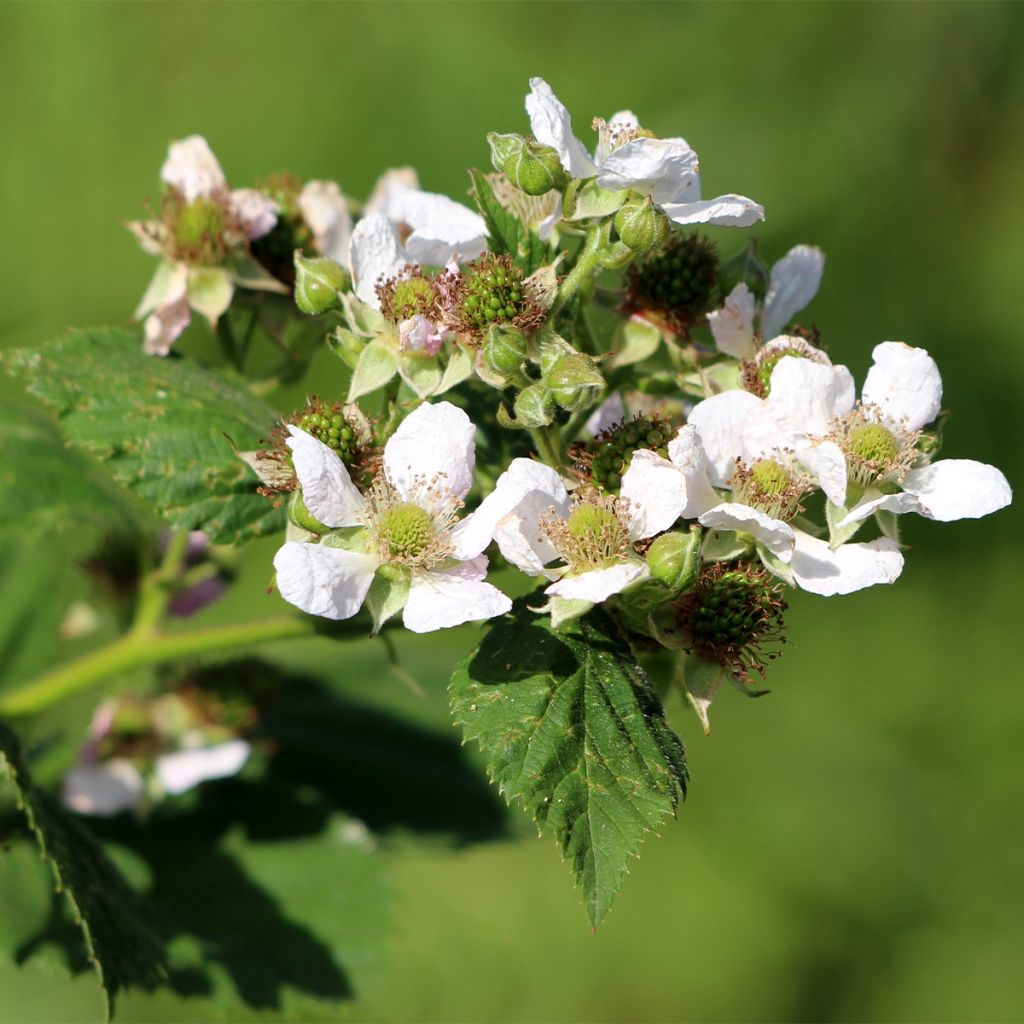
161,425
506,233
113,921
571,727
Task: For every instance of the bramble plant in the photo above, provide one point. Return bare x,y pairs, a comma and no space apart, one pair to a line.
571,381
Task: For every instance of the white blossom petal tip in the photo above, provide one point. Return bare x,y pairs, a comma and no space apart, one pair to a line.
598,585
439,600
327,488
324,580
904,383
192,168
819,570
184,769
434,447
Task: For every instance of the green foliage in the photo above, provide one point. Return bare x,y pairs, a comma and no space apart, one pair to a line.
506,234
162,426
114,923
571,727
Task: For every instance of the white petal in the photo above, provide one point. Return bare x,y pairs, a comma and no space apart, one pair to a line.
774,534
256,212
598,584
661,168
325,211
552,126
168,284
184,769
164,325
687,454
611,411
434,446
871,501
103,789
209,292
375,252
825,460
323,580
523,477
327,488
192,168
733,324
438,600
726,211
656,491
794,282
388,187
442,228
806,397
820,570
720,422
958,489
904,383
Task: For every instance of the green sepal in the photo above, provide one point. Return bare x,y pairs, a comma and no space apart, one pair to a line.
347,345
348,538
633,342
584,199
421,371
725,545
458,369
377,364
834,515
701,680
300,516
388,594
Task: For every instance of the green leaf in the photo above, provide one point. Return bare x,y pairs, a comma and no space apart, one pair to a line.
113,921
505,232
162,426
571,727
48,489
377,364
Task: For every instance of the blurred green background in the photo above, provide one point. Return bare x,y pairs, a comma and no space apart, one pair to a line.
852,845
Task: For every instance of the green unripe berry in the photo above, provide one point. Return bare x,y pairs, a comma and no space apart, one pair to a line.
674,559
767,365
407,529
318,280
871,442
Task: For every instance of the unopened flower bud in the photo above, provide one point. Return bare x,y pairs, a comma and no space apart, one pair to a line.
574,381
641,225
746,268
531,167
301,517
318,280
674,560
535,406
505,349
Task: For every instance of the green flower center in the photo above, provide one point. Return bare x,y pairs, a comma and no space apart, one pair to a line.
768,364
678,280
591,523
412,295
493,293
770,478
873,443
407,529
201,221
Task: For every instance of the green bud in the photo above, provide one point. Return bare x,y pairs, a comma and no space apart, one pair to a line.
318,280
301,517
531,167
674,559
745,267
574,381
534,406
505,349
641,225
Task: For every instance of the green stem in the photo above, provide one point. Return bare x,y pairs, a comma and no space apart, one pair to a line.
158,585
548,442
136,650
588,263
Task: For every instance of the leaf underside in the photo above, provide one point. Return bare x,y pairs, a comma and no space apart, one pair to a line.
571,727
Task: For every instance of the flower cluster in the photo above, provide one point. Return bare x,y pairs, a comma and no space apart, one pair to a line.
746,463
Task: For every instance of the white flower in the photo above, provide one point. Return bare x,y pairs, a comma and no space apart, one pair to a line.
105,788
405,225
184,769
627,157
535,522
903,393
409,516
793,283
770,480
203,240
